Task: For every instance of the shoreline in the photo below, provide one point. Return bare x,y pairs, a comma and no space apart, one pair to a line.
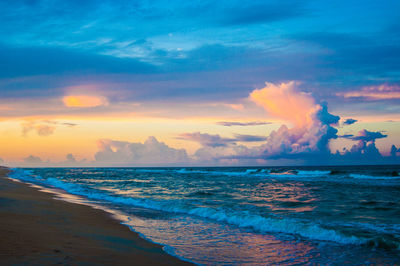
38,229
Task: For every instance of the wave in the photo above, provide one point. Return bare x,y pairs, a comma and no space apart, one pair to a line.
238,218
300,173
259,172
214,172
278,173
360,176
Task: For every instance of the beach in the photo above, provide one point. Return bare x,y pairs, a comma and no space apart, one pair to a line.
209,216
35,228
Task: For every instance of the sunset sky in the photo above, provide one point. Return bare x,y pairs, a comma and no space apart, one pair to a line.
127,83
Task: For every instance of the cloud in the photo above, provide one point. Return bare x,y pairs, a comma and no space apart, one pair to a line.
53,122
76,42
285,102
365,149
44,130
243,124
151,152
362,151
394,150
249,138
70,161
366,136
381,92
220,155
31,159
354,58
32,61
349,121
346,136
84,101
41,129
69,124
70,158
207,139
312,123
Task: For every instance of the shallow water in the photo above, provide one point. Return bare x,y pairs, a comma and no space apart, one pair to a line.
261,215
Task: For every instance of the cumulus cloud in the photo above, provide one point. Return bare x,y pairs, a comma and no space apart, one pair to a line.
312,129
349,121
286,102
84,101
31,159
362,150
381,92
365,148
394,150
70,158
312,123
243,124
151,152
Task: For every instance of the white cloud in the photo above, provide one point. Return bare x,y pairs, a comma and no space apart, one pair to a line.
151,152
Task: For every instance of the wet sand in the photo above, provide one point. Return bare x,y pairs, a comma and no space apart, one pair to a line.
37,229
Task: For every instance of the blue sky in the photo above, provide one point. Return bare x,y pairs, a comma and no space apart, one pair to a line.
154,54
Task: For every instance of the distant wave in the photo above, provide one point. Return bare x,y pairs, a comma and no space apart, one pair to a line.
258,172
294,173
301,173
359,176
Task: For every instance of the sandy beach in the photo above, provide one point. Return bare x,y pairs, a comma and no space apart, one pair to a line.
37,229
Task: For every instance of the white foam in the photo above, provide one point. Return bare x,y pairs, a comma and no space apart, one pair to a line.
358,176
313,173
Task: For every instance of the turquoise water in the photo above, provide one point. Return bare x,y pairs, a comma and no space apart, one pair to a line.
248,215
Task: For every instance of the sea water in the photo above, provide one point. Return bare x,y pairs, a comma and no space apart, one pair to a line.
254,215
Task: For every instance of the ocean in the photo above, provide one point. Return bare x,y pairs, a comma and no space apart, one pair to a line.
246,215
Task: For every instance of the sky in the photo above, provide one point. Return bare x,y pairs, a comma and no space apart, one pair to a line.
171,83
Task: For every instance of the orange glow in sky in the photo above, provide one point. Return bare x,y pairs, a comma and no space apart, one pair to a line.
84,101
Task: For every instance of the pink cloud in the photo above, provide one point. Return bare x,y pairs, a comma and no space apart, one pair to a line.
381,92
286,102
312,124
